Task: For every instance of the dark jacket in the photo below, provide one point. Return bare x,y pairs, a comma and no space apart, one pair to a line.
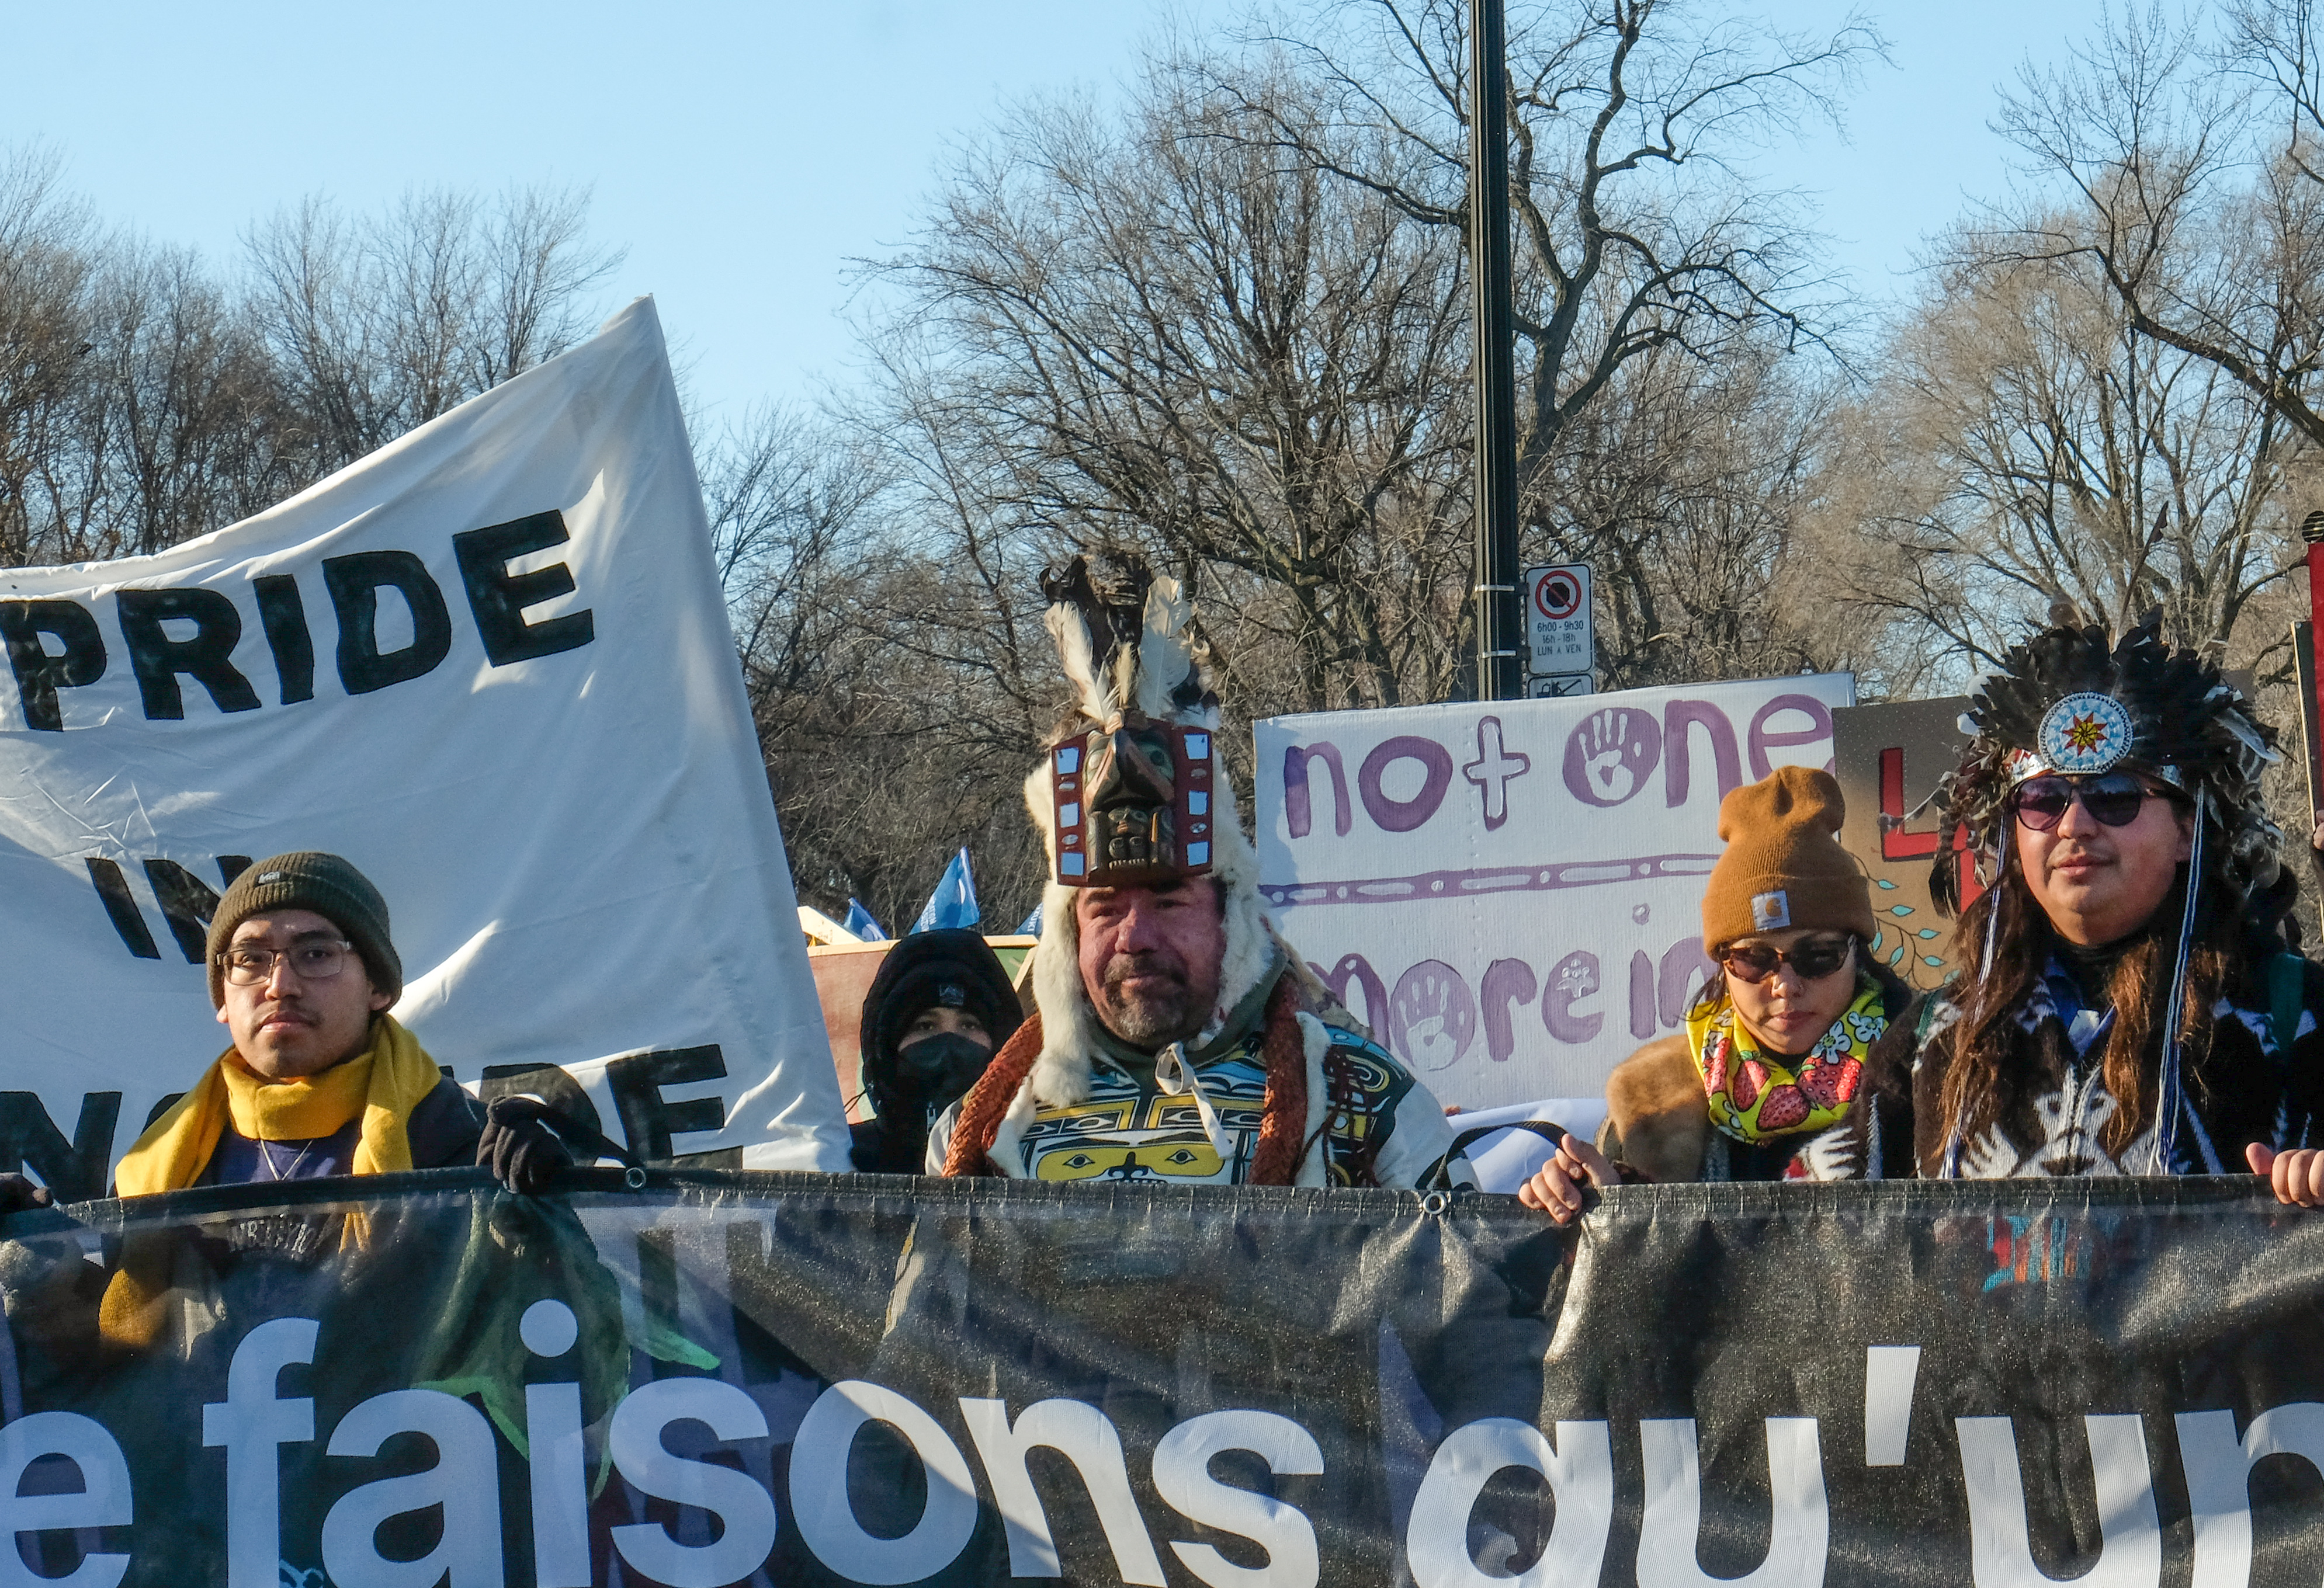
1658,1124
922,971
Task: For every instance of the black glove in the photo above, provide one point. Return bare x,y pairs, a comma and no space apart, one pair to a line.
20,1195
518,1147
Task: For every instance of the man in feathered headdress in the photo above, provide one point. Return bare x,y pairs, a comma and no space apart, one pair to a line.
1174,1038
2130,1006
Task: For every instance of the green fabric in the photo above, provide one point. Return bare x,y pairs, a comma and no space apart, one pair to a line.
2287,979
472,1346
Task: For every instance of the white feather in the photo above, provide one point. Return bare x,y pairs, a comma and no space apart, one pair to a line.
1164,656
1066,625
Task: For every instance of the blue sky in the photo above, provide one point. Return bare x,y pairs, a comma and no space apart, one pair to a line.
745,153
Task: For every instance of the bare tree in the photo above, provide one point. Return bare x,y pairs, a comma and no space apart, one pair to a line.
187,421
785,498
1169,335
385,323
869,673
146,397
1686,486
2197,177
1637,246
45,272
2034,444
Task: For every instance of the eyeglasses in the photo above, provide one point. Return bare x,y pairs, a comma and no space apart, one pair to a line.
2114,800
1811,960
316,959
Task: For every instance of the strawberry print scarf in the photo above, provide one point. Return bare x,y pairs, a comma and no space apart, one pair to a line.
1756,1096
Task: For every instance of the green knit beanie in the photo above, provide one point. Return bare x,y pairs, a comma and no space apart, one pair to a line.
329,886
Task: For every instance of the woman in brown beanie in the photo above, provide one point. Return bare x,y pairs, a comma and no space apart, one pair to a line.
1774,1045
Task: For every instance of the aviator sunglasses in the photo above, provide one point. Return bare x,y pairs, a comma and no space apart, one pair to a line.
2114,800
1812,960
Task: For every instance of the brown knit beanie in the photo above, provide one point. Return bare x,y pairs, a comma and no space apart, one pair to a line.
329,886
1783,866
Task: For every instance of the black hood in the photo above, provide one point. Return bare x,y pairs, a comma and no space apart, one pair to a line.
913,978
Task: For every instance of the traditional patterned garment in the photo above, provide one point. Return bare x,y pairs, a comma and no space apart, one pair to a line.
1278,1088
1197,1122
1756,1096
2056,1105
1194,1116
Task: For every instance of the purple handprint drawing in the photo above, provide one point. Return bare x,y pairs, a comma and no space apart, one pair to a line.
1608,756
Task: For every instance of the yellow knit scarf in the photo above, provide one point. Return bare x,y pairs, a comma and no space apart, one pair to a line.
1756,1096
383,1083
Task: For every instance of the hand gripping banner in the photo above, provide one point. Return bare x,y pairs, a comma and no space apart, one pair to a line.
774,1380
490,666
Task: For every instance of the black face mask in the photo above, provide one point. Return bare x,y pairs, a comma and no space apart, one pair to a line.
937,1071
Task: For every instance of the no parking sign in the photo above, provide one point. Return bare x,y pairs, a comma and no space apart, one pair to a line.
1557,625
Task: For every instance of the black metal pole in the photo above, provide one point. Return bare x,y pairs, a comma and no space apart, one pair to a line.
1499,636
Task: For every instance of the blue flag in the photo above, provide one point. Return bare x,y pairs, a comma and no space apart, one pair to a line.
1031,926
861,922
954,904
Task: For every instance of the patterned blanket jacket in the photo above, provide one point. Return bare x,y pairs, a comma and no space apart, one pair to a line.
2056,1108
1192,1115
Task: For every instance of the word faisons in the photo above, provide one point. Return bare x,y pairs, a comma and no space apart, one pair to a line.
171,635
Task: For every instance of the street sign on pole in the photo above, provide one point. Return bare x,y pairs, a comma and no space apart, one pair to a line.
1552,686
1558,639
1500,663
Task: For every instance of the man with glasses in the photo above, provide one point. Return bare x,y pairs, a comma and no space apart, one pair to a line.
2128,1004
320,1081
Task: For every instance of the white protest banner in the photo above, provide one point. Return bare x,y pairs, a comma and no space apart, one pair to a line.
489,665
1510,893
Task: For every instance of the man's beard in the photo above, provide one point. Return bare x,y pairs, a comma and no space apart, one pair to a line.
1150,1018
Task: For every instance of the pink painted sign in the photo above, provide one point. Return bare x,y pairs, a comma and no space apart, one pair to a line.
1510,893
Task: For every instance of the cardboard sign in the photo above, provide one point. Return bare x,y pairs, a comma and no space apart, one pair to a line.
2312,742
1510,893
1888,759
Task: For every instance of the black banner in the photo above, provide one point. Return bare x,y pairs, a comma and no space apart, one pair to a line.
775,1379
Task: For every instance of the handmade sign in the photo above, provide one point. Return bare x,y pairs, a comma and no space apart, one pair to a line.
489,665
1888,759
1510,893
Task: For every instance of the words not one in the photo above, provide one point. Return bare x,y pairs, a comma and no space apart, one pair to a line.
174,635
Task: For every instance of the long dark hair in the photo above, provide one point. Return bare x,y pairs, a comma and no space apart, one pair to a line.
2221,960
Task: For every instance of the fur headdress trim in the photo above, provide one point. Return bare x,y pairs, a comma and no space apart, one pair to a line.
1069,1024
1127,639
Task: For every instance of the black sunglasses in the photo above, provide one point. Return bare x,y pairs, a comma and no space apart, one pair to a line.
2115,799
1812,960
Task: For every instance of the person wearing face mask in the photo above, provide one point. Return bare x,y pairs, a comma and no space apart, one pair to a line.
939,1007
2130,1004
1773,1048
